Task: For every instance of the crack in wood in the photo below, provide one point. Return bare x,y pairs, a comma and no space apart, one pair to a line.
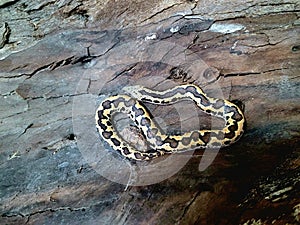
53,210
59,144
52,66
122,12
195,4
250,73
26,129
123,72
40,6
54,96
186,208
159,12
7,3
79,10
5,33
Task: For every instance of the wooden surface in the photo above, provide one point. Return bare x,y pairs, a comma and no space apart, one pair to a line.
59,58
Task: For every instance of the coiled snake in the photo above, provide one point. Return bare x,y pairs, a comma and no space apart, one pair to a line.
159,142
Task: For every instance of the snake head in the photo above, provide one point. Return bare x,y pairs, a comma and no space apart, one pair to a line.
133,91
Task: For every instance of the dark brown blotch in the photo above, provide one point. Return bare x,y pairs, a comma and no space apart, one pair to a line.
173,92
101,125
205,137
145,122
219,135
195,136
191,89
117,101
180,90
232,128
107,134
115,142
229,135
101,115
138,155
173,142
204,100
154,131
137,111
151,133
130,102
106,104
221,114
186,141
125,150
159,142
220,103
236,115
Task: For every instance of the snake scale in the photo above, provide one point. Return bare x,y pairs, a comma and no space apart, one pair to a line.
159,142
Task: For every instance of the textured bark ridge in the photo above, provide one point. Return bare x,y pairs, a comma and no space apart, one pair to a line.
59,58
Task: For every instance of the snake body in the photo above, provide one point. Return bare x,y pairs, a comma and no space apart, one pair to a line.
159,142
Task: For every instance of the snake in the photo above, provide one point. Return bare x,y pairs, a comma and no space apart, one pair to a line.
160,143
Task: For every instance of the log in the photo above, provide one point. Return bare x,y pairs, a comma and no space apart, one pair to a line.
59,59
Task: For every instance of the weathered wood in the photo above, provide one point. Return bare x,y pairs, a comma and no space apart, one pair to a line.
58,58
